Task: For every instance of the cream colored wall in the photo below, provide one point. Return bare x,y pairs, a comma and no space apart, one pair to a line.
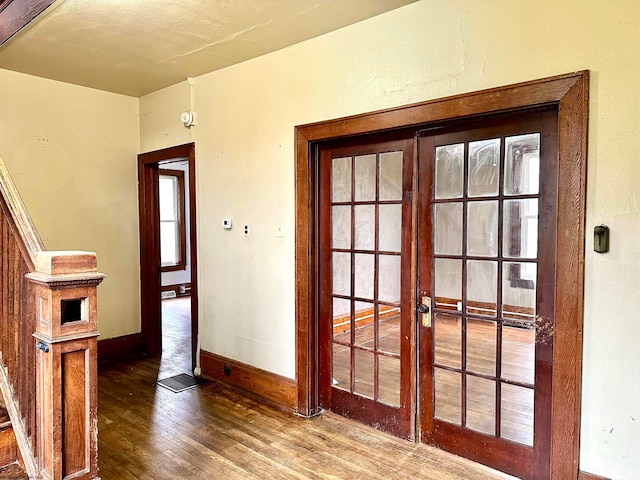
245,168
72,154
160,124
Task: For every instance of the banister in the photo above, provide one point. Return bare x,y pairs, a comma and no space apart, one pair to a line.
19,215
48,345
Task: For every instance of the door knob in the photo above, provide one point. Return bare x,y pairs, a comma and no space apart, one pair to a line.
424,311
422,308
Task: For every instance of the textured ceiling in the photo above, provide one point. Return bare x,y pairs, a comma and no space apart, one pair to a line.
136,47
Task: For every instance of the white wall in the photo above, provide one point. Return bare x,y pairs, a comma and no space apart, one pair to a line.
245,158
72,153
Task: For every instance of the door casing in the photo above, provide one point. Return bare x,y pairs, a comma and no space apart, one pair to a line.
149,213
569,95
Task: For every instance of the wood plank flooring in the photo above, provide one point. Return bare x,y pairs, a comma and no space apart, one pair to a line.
215,432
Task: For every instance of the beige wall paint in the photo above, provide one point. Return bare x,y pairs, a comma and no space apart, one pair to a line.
72,154
160,124
245,157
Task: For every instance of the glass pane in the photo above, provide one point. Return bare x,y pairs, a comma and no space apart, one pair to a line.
365,188
341,179
168,188
341,367
447,395
482,287
481,346
342,320
520,228
389,329
519,291
522,164
481,405
482,228
364,373
364,270
447,331
389,380
519,353
341,226
364,323
449,171
448,228
484,167
365,223
390,228
448,282
389,278
391,176
168,243
341,265
516,414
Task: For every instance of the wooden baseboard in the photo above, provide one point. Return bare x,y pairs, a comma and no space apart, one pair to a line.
176,288
590,476
275,388
362,318
118,347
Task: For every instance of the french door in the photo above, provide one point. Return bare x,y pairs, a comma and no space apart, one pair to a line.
366,333
436,253
486,249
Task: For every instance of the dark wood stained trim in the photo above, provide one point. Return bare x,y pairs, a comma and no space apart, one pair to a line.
117,347
150,245
569,94
182,224
17,14
569,302
270,386
590,476
176,288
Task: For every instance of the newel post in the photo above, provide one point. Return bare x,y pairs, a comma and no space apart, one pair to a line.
65,285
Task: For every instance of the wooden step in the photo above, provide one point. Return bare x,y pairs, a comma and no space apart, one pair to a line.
13,471
8,447
4,416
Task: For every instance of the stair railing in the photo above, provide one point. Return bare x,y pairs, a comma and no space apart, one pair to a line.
48,346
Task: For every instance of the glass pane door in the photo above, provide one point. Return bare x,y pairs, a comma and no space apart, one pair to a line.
365,244
484,355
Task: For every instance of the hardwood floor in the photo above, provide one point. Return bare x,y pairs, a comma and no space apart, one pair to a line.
216,432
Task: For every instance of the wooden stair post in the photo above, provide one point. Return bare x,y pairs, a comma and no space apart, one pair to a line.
65,285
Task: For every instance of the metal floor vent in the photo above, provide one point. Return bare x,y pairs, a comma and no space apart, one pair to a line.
180,383
168,294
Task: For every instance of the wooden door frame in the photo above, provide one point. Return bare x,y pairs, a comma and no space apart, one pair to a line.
150,270
569,94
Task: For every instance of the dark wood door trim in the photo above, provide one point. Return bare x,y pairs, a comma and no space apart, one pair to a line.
150,245
15,15
569,94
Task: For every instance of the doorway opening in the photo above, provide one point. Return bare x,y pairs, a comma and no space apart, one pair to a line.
514,285
168,261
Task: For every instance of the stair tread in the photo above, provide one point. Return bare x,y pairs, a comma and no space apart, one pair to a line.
13,471
4,416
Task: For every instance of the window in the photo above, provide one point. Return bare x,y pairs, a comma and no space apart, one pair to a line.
522,174
172,224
